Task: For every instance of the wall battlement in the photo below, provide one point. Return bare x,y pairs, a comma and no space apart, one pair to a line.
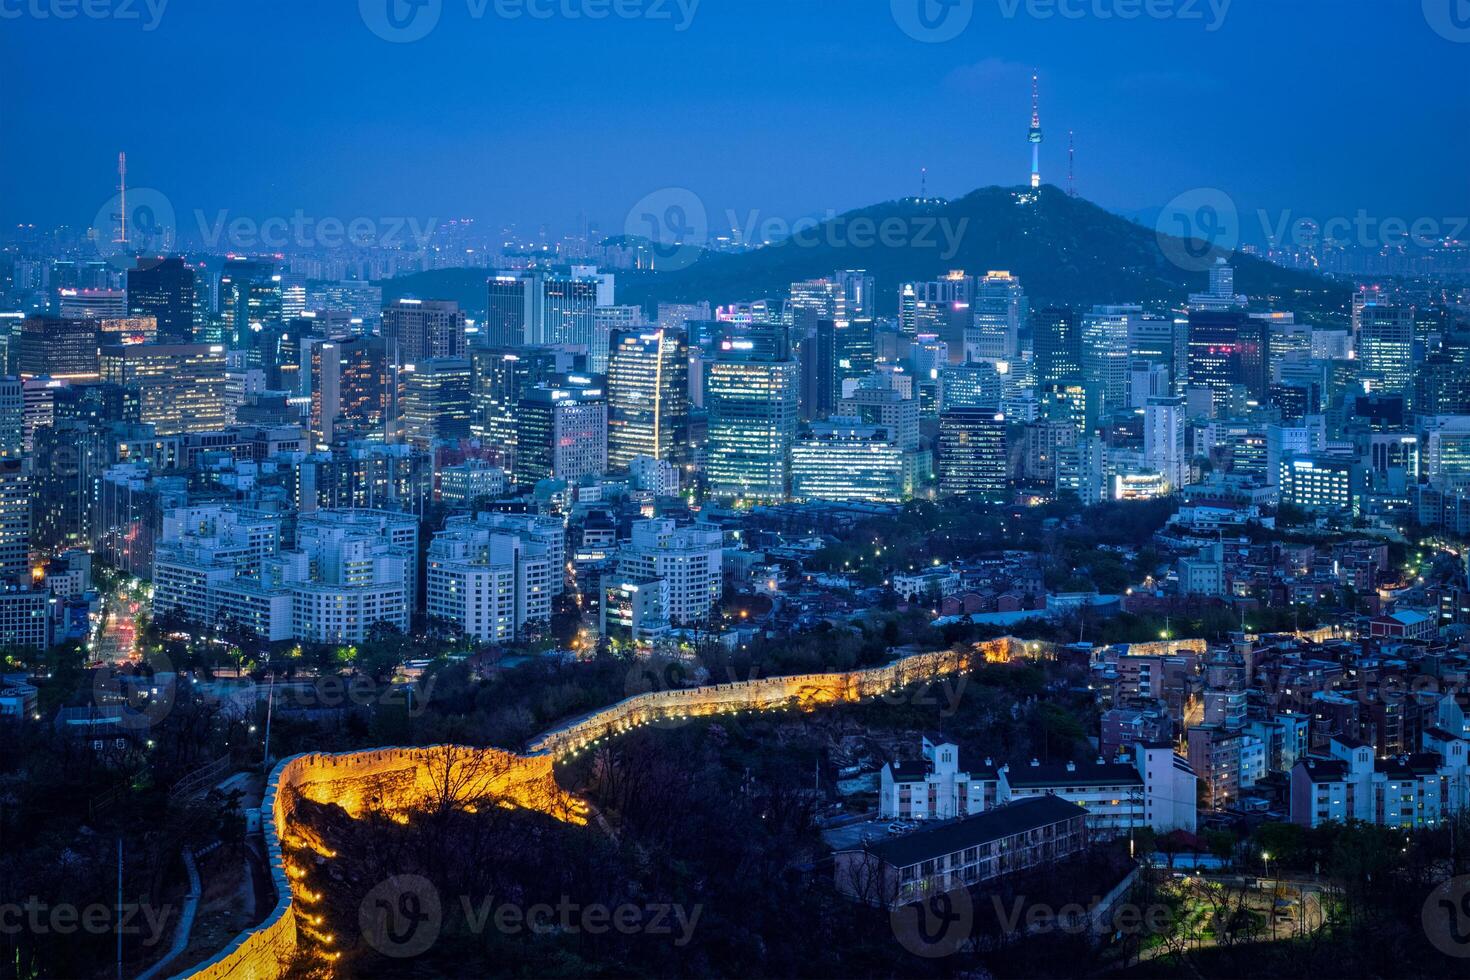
395,779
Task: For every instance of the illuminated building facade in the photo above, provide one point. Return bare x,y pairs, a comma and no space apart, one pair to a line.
648,395
753,409
178,387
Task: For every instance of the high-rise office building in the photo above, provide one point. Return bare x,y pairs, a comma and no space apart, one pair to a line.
648,395
1105,331
163,288
1162,342
1163,440
886,407
846,459
608,321
418,329
564,307
58,347
15,521
973,460
506,324
12,418
177,387
999,317
92,304
561,432
250,299
1227,350
752,406
352,389
498,377
858,292
1057,341
435,405
840,351
1385,346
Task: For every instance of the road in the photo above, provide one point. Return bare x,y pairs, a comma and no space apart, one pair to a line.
115,640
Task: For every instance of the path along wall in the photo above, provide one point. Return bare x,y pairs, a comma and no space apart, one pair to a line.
397,779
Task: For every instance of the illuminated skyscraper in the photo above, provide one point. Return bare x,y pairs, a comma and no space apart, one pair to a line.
999,314
15,521
435,405
1227,349
178,387
1105,352
417,330
250,298
1058,345
973,461
351,391
561,432
648,395
752,408
164,290
60,348
1385,346
509,303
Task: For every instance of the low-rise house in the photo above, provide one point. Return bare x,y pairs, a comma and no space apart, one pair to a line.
1003,840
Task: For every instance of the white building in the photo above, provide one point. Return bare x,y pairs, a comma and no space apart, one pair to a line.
1155,789
687,558
655,476
351,569
493,578
1163,440
941,580
464,483
1415,790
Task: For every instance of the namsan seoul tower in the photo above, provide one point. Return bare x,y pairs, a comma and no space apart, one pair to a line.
1035,134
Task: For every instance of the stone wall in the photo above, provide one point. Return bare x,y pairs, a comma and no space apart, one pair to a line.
392,779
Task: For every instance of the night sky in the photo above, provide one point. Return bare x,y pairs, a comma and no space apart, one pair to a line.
791,107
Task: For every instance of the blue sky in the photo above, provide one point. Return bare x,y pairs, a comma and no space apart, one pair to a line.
788,107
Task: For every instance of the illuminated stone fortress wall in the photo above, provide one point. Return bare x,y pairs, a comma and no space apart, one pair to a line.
397,779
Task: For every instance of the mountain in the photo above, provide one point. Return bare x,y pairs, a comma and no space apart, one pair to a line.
1064,249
